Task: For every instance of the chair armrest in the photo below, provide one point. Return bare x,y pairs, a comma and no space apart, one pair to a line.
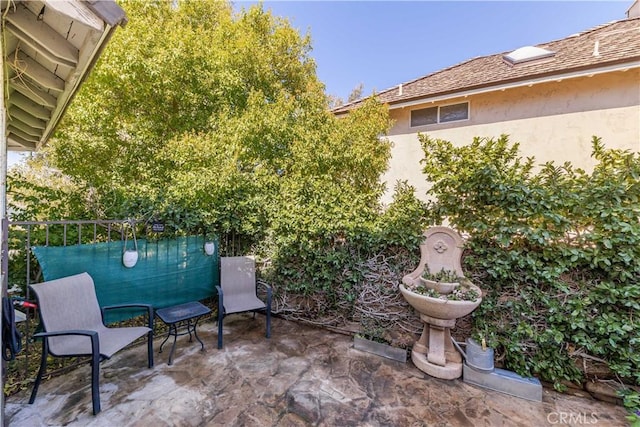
269,290
84,332
265,284
220,300
95,343
147,307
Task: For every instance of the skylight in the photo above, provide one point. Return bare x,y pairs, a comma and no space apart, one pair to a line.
526,54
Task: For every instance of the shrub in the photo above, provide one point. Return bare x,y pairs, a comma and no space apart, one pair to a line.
557,251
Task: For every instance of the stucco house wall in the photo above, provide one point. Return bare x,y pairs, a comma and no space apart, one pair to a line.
554,121
552,98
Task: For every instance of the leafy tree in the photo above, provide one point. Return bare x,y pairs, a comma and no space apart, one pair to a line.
213,120
207,118
356,93
33,183
171,72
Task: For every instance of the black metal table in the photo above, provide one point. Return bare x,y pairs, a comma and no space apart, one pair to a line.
180,316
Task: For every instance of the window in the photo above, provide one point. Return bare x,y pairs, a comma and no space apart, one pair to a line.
455,112
424,116
444,114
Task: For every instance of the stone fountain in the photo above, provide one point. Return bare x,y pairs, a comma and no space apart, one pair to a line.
434,352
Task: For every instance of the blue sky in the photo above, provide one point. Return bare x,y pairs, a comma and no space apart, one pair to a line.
384,43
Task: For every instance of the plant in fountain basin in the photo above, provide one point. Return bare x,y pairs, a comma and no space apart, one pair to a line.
446,285
446,276
462,293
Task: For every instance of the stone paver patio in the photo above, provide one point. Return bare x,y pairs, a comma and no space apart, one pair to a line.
302,376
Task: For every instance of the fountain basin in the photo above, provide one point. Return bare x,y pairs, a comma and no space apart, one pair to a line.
440,308
443,288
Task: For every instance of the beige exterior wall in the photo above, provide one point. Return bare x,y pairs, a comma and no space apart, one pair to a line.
551,121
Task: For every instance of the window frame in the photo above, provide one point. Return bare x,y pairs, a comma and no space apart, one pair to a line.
437,109
438,118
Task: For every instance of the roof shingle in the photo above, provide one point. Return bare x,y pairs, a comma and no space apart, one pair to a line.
609,44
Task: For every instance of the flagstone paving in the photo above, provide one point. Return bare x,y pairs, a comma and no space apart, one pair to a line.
302,376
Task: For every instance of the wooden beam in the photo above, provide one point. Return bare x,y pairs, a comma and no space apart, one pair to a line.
26,128
26,145
16,113
17,132
33,93
25,26
21,63
29,106
76,11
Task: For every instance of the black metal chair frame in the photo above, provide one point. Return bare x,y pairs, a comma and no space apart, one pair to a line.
222,312
96,356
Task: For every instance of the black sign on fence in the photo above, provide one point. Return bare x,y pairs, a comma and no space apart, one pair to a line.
157,226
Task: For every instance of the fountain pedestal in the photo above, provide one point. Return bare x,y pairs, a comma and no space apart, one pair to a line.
434,353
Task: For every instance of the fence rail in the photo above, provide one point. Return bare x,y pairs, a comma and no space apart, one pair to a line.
21,236
21,269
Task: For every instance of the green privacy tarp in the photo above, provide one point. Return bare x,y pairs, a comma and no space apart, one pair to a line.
168,272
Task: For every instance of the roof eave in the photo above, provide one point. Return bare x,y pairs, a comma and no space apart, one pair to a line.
59,53
112,15
60,110
502,85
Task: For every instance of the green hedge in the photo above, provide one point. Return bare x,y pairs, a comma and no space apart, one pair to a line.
556,249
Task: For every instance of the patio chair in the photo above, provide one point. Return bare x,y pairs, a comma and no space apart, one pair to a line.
73,324
237,292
